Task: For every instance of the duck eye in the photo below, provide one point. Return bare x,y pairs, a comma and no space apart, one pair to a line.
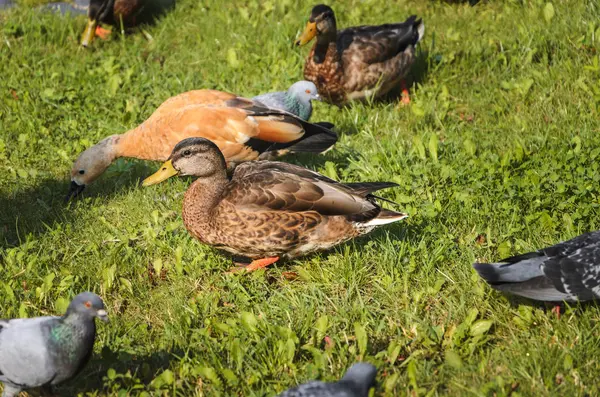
187,153
81,172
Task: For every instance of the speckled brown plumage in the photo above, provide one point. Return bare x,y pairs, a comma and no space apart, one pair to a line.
131,12
271,209
358,62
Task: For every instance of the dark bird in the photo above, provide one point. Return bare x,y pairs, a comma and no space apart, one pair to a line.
121,13
269,209
357,382
568,271
46,351
358,62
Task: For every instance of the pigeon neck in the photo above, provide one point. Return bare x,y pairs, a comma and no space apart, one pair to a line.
71,334
295,106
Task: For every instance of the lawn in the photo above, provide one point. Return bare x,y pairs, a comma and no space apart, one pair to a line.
497,154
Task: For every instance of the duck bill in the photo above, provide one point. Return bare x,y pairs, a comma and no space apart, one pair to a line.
165,172
88,33
310,31
74,190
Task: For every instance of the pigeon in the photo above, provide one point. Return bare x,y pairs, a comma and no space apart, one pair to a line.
568,271
357,382
46,351
296,100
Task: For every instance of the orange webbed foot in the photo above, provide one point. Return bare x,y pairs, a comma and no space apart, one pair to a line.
255,265
104,34
405,96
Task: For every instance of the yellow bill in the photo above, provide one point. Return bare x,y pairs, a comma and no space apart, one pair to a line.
89,33
310,31
165,172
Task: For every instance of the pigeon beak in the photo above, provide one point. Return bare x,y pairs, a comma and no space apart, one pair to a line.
74,190
102,315
317,97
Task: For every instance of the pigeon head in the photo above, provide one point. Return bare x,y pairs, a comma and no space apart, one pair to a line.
88,305
362,375
304,91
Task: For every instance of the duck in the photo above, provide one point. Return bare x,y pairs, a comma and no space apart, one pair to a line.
121,13
358,62
243,130
296,100
568,271
269,210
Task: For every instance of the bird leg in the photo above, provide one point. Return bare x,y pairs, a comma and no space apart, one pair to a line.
556,310
254,265
405,97
104,34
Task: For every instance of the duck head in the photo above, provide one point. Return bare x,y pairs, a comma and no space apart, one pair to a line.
91,164
193,156
320,24
98,11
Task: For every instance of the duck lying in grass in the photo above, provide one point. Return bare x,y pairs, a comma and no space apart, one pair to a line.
568,271
121,13
360,61
269,210
241,128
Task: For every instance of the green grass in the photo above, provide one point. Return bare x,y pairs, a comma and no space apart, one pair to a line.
497,154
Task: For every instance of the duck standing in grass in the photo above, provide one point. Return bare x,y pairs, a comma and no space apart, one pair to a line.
46,351
358,62
568,271
242,129
269,210
357,382
121,13
296,100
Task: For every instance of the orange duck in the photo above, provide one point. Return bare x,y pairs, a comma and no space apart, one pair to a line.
242,129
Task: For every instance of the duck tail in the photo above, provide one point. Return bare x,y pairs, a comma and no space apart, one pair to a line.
317,138
386,216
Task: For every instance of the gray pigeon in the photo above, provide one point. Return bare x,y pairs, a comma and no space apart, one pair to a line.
357,382
295,100
46,351
568,271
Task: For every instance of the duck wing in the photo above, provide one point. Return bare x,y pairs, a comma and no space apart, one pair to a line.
277,187
375,44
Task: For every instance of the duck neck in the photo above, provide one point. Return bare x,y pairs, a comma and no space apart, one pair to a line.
200,200
325,43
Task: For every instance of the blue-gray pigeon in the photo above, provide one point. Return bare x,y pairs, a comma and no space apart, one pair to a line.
296,100
568,271
46,351
357,382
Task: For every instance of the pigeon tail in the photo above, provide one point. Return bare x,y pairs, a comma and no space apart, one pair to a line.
362,375
512,270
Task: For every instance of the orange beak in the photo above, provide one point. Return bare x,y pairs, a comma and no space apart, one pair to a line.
310,31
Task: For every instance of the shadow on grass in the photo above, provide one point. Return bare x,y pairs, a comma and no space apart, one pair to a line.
34,210
143,369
